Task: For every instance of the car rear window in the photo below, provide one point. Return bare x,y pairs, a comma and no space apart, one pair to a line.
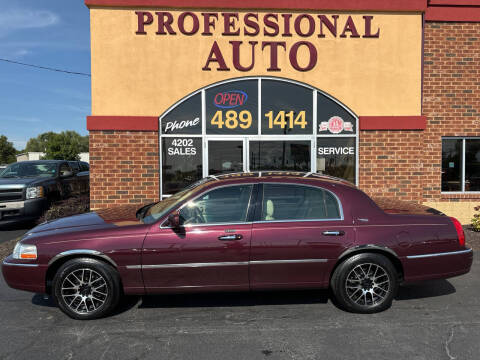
297,202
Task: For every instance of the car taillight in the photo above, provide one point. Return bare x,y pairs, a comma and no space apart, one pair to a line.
460,233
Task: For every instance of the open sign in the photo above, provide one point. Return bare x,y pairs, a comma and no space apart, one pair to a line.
230,99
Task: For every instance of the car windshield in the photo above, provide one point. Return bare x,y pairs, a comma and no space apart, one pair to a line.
21,170
161,208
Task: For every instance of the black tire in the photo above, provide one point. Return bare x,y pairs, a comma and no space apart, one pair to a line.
357,289
86,289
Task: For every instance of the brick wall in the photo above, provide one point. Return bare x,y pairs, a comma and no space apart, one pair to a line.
123,168
407,164
451,95
400,164
390,164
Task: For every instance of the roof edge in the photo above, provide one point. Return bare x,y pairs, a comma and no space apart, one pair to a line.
347,5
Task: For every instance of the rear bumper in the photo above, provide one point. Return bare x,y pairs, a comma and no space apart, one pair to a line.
24,276
437,266
13,212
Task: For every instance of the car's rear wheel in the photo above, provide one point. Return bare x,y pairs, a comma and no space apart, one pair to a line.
86,289
365,283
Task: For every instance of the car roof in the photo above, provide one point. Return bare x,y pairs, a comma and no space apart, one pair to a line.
41,161
268,175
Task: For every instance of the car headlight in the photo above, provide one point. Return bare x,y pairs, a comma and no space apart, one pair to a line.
25,252
35,192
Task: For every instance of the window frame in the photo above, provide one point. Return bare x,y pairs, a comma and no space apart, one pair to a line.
260,204
313,137
462,172
252,203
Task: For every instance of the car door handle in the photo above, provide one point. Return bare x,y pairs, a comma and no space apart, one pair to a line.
233,237
333,233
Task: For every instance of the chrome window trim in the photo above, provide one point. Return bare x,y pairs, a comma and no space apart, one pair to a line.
440,254
231,263
340,206
212,224
82,252
18,264
292,221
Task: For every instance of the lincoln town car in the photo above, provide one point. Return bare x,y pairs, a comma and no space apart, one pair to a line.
241,232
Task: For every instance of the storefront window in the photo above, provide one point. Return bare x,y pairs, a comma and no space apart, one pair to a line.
232,108
452,164
186,118
333,119
472,165
181,163
280,155
225,157
336,157
286,108
256,124
461,164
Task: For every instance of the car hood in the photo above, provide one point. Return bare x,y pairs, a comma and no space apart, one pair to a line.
4,182
95,220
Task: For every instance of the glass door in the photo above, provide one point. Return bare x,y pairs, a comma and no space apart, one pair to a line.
225,156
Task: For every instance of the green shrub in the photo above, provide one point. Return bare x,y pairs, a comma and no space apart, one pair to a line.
476,220
69,207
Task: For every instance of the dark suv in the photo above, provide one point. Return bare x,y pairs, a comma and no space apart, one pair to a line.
28,188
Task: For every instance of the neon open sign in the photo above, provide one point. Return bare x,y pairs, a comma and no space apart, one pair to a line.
230,99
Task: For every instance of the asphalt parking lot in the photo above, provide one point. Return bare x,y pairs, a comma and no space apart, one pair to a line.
13,231
434,320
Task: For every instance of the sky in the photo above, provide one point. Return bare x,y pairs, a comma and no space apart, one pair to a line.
50,33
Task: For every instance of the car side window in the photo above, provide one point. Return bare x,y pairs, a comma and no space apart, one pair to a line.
64,169
296,202
74,166
223,205
84,166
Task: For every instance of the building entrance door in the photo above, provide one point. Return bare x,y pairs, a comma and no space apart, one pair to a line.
225,156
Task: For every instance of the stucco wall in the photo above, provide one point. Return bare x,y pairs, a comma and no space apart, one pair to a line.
145,74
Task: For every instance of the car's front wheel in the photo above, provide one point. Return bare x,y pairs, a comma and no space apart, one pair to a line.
365,283
86,289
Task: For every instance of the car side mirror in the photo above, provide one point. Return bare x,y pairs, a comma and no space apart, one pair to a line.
174,220
66,174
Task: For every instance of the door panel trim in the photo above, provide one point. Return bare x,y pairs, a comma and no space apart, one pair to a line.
230,263
188,265
301,261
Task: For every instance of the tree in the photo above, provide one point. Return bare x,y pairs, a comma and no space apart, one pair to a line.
39,144
7,151
64,146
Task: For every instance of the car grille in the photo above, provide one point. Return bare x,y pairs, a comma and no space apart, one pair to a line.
11,195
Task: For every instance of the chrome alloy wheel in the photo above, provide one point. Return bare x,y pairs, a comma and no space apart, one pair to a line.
367,284
84,291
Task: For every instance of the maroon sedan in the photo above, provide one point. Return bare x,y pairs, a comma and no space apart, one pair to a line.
240,232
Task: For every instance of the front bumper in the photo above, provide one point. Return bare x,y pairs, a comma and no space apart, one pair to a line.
12,212
437,266
22,275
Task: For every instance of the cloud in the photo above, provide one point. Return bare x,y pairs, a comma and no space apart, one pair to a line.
19,19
